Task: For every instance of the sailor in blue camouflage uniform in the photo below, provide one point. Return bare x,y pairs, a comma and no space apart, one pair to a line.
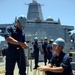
15,37
36,52
60,62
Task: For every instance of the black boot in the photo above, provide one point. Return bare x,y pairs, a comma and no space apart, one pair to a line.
36,67
45,64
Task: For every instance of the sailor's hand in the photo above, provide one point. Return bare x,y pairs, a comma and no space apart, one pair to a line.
43,68
23,45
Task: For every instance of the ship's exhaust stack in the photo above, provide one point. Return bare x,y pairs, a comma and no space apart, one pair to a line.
34,11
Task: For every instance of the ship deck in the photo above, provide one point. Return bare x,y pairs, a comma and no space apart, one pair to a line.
29,70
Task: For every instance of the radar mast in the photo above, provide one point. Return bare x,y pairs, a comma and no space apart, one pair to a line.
34,0
34,11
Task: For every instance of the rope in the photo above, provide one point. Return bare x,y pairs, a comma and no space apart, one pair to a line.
30,57
35,71
29,61
27,70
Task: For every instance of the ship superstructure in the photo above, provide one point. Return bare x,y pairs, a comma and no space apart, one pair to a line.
37,26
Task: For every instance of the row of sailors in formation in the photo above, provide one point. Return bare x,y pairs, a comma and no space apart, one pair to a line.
46,50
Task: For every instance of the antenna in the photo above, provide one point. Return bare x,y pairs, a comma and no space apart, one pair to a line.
26,4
